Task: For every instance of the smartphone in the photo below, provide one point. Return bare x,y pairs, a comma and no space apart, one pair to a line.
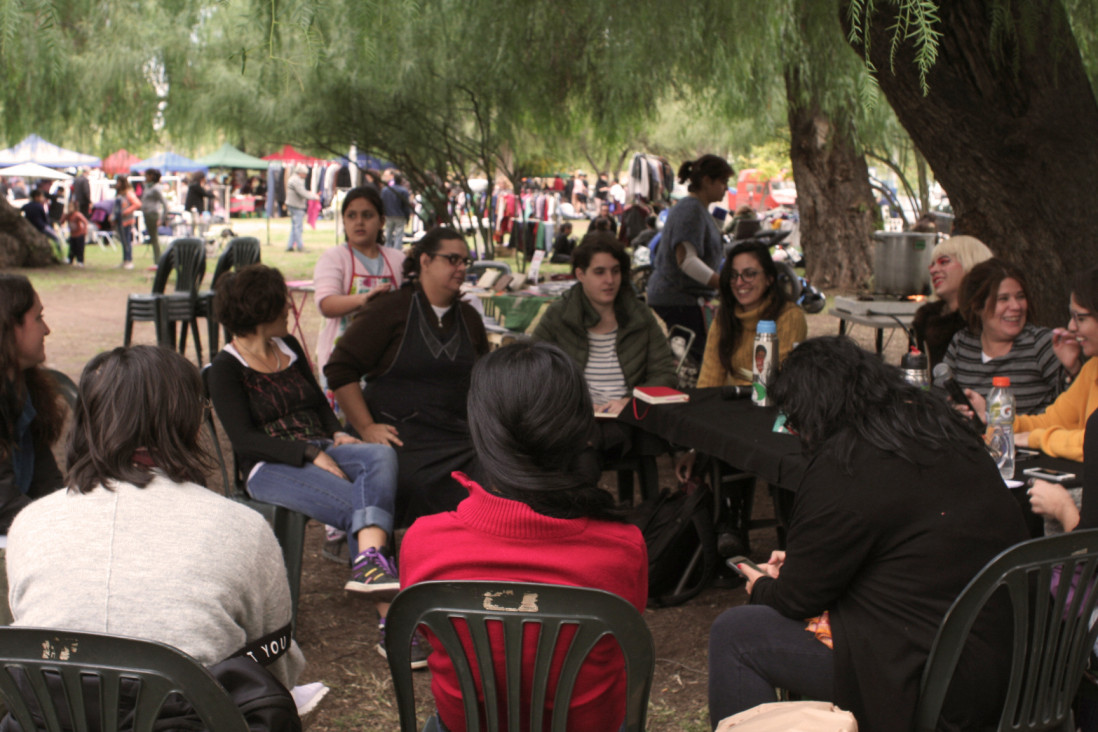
1053,476
734,562
1024,453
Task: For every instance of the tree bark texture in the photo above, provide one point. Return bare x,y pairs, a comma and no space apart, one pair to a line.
21,245
1012,144
833,194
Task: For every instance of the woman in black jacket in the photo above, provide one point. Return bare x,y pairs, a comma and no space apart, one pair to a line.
31,415
899,508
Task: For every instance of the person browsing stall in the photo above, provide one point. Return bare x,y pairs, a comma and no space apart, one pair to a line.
684,265
937,321
605,328
999,340
540,516
148,551
292,448
900,506
1059,431
416,348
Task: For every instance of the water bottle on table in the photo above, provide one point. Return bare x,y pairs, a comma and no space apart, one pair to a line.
764,366
1000,425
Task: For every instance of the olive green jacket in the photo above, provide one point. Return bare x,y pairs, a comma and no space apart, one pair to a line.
643,353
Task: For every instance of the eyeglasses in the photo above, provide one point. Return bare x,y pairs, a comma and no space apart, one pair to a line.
1078,317
455,259
748,275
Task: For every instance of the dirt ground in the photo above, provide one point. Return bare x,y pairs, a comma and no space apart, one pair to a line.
338,633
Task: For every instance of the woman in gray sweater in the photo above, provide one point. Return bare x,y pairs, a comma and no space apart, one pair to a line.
147,551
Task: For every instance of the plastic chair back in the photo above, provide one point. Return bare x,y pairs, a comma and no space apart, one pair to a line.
593,613
190,263
65,386
1053,591
246,251
164,268
79,677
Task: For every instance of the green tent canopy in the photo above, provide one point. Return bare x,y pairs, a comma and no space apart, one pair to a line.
228,156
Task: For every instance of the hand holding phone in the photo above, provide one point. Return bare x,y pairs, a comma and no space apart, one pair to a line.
1052,476
735,562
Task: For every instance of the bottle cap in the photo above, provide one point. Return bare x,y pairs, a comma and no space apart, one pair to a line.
1000,381
766,326
914,360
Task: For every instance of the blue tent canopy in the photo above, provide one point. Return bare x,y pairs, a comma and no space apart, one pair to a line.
34,149
168,162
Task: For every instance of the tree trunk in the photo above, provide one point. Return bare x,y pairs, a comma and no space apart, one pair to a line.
833,194
21,245
1013,145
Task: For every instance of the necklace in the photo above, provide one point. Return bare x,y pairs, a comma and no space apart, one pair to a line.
261,361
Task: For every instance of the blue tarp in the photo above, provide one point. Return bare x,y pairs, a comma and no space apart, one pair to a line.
168,162
34,149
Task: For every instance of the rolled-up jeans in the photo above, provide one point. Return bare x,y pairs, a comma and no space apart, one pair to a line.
367,498
297,228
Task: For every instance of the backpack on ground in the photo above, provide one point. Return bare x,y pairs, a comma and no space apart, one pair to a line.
675,525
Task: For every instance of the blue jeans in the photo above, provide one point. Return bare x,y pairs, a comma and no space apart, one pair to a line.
125,235
394,232
754,648
367,499
297,227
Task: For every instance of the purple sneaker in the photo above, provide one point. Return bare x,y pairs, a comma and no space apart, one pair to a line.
373,574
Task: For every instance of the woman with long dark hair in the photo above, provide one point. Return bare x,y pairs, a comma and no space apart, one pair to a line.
416,348
31,413
148,551
899,508
684,264
540,516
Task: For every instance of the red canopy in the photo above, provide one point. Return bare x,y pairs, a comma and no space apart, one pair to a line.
289,155
118,163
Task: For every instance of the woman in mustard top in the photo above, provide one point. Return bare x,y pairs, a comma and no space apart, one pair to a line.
749,293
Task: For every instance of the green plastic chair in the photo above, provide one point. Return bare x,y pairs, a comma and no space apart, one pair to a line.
288,525
1053,631
239,252
594,613
92,669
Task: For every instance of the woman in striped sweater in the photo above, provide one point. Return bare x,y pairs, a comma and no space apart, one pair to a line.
999,340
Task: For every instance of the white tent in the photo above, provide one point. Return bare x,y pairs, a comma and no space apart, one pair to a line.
36,150
33,171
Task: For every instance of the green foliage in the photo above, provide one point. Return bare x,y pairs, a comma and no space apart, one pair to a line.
913,21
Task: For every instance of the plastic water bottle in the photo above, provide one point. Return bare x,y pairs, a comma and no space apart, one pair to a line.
1000,425
764,363
914,366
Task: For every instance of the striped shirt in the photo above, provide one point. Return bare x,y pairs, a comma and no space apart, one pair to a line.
1036,377
605,379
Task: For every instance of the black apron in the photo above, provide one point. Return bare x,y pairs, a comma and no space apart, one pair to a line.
423,394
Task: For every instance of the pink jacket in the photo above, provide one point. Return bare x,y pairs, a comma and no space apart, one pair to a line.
332,276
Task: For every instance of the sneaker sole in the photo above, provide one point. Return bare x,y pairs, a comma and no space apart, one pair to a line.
416,665
384,591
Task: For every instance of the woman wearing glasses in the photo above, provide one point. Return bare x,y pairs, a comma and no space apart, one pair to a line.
1059,430
749,293
416,348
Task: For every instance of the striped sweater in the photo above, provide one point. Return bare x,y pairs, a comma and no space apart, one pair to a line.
1036,377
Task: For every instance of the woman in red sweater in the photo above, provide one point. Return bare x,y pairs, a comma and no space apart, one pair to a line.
541,517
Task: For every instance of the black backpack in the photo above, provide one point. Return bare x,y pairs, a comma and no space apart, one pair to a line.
675,524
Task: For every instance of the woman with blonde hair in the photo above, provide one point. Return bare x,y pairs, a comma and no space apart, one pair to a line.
937,321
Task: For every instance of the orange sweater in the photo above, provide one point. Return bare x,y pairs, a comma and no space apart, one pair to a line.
792,329
1059,431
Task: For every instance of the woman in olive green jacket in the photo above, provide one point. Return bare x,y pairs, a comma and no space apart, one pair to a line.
602,324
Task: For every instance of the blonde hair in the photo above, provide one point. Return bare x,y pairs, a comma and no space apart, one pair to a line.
968,250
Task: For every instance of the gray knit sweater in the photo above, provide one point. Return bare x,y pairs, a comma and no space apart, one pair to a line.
171,562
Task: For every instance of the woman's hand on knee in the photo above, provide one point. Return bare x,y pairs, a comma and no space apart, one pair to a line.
324,461
382,434
342,438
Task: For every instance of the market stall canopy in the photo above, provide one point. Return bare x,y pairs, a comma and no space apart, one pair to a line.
169,162
36,150
228,156
118,163
33,171
288,155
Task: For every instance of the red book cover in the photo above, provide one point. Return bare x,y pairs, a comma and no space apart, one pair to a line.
659,395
